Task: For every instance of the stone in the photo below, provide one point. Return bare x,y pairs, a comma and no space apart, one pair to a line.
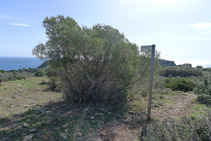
127,121
26,106
119,116
13,126
86,109
131,112
102,133
28,120
25,125
78,134
32,130
42,111
101,109
49,121
63,135
66,130
28,138
99,114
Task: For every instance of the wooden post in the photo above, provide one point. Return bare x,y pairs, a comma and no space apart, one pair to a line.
151,82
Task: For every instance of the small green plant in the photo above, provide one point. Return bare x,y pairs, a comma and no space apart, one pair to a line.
179,84
54,83
144,93
39,73
205,99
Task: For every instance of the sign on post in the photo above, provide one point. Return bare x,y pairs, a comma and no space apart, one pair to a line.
148,49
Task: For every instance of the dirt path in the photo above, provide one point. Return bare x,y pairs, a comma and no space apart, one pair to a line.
114,131
177,109
128,131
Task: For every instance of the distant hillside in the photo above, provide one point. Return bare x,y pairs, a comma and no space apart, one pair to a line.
43,65
185,65
167,63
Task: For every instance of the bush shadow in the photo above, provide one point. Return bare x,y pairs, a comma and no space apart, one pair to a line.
58,121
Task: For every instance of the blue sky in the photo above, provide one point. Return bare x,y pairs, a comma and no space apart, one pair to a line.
181,29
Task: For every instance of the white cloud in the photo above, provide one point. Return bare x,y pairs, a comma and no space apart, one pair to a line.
19,24
201,26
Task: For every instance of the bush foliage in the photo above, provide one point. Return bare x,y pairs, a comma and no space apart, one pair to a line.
180,72
19,74
179,84
204,91
93,64
11,76
39,73
171,130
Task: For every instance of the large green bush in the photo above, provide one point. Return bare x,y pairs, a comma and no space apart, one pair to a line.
93,64
39,73
204,91
179,84
180,72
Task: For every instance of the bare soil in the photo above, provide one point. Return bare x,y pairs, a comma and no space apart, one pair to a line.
176,110
128,131
122,130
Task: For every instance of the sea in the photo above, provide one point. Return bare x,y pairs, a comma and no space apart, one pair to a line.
15,63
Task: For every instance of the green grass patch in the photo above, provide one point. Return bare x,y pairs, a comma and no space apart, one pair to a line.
197,110
18,96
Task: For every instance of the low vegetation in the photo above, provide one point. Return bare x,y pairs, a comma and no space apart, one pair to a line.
40,73
30,108
171,130
180,72
179,84
19,95
204,91
11,76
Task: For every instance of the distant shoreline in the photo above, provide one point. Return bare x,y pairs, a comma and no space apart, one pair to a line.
15,57
16,63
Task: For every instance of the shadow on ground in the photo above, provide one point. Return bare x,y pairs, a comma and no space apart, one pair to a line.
63,121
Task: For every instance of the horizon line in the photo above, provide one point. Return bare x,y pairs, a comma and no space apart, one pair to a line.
20,56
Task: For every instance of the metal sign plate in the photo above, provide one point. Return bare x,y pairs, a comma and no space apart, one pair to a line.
146,49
